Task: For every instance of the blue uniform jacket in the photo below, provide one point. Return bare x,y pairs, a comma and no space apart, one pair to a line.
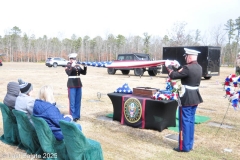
51,114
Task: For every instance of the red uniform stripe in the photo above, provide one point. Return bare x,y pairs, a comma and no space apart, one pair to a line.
181,129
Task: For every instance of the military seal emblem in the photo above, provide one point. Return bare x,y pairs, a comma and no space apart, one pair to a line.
132,110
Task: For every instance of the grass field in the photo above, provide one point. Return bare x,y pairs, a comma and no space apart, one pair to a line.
121,142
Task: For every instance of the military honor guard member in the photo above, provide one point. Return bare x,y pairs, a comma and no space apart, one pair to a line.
190,97
74,84
237,70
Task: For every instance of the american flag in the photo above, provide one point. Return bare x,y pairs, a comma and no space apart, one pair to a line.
124,89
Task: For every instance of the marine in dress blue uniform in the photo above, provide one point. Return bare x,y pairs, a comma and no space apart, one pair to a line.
190,97
237,71
74,85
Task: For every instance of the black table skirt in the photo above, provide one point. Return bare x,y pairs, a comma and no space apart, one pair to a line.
158,114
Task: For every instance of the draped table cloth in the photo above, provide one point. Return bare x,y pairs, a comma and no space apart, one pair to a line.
143,112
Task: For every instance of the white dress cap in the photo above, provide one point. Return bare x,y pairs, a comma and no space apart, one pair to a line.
72,55
190,51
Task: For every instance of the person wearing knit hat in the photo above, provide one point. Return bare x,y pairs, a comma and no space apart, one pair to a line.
24,101
13,91
25,87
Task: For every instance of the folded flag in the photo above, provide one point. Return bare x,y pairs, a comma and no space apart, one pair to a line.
124,89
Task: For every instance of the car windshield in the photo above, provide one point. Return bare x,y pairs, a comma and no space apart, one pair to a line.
142,57
120,58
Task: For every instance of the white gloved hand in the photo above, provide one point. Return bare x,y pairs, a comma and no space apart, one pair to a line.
69,116
73,64
176,64
167,63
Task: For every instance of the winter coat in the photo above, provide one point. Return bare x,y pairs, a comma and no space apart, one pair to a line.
51,114
25,104
13,91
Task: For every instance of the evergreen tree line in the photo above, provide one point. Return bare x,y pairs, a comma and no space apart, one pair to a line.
20,47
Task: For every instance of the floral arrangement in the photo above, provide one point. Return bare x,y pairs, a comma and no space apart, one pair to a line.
231,86
173,87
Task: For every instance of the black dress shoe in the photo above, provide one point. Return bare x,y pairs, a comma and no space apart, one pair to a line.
178,150
75,119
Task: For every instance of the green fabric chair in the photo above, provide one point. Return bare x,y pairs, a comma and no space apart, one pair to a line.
27,133
78,146
10,130
47,140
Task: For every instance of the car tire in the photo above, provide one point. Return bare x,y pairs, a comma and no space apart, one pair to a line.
138,71
125,72
152,72
54,65
111,71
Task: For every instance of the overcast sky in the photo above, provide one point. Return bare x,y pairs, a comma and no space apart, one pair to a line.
62,18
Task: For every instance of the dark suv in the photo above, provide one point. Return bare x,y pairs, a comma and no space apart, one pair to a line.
152,71
56,61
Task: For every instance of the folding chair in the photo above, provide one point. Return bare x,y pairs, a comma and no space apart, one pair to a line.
49,143
78,146
10,130
27,133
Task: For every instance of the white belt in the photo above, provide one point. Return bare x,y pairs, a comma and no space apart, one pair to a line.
188,87
73,76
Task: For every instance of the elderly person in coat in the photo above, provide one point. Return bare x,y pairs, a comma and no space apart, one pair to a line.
45,107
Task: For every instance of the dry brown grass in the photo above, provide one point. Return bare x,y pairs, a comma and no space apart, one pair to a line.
121,142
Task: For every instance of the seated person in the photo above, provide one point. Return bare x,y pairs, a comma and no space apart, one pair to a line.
13,91
24,101
45,107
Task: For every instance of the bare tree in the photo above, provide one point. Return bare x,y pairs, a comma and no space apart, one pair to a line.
218,38
177,35
137,40
86,47
111,43
156,47
99,47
